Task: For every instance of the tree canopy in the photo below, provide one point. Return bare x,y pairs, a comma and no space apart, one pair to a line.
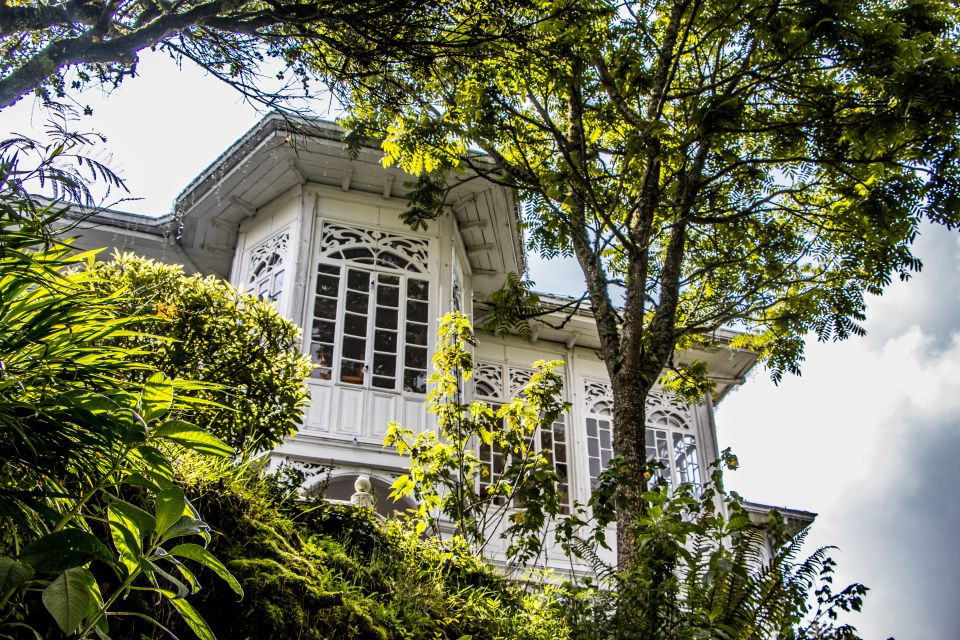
48,46
759,164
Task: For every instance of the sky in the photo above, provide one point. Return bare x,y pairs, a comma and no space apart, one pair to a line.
868,436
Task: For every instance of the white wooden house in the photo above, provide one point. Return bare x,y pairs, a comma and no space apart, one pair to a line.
295,220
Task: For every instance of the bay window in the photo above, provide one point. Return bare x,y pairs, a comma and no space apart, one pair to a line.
371,310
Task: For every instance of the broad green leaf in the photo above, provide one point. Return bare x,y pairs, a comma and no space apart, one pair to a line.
13,575
64,549
194,619
68,598
187,526
156,398
198,554
126,538
171,506
144,521
193,437
158,466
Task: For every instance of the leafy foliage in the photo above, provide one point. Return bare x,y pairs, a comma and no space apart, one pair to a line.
86,478
202,329
448,480
750,163
311,569
705,569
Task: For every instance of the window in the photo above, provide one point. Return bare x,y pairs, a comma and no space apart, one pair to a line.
669,440
551,442
371,310
266,267
669,436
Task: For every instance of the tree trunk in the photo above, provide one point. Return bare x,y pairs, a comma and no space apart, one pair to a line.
630,389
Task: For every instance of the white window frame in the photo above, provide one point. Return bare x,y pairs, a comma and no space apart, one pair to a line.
393,255
273,275
505,382
668,421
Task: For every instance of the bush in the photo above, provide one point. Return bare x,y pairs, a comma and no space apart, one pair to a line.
205,330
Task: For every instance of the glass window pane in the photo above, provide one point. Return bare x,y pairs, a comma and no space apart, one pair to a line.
388,296
358,302
415,381
416,357
384,365
354,348
386,318
325,307
591,427
393,261
593,447
323,331
605,437
322,356
351,371
358,280
328,269
594,467
416,333
385,341
417,311
417,289
354,325
384,383
363,255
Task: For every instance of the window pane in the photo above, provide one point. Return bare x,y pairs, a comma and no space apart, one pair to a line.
322,356
605,434
388,296
358,302
358,280
416,357
417,311
386,318
325,308
593,447
591,427
363,255
323,331
385,341
416,333
351,371
392,260
354,348
417,289
384,365
355,325
415,381
384,383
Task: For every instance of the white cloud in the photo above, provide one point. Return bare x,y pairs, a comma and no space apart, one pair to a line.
869,437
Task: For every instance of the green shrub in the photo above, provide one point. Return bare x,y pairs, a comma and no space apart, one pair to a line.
205,330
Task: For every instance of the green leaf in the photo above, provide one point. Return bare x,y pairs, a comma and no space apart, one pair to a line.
198,554
158,466
13,575
187,526
64,549
156,398
68,598
193,437
144,521
126,539
151,567
194,619
171,506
